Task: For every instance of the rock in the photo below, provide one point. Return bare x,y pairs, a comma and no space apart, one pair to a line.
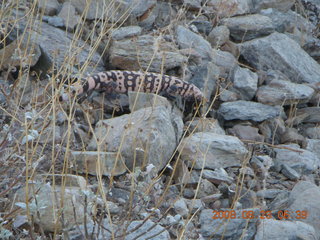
138,100
245,110
289,172
278,230
210,150
303,161
205,125
205,77
126,32
189,39
215,229
245,82
56,44
142,136
291,135
225,60
133,55
203,27
217,176
181,208
230,8
192,4
22,50
227,95
313,145
206,188
46,210
69,16
304,198
246,133
49,7
278,52
244,28
272,130
312,132
279,92
305,115
54,21
282,5
147,230
218,36
269,193
98,163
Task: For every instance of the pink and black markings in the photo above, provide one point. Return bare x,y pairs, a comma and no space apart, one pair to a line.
124,81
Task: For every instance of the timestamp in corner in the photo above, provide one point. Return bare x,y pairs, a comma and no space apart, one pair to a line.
251,214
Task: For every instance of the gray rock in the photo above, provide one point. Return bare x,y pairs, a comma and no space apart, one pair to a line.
181,208
218,36
245,82
49,7
222,8
305,115
313,145
289,172
142,135
203,27
126,32
217,176
205,77
108,163
291,135
269,193
305,197
54,21
279,230
238,228
312,132
244,28
279,92
283,5
303,161
69,16
192,4
56,44
278,52
147,230
205,125
210,150
245,110
225,60
133,55
138,100
189,39
246,133
93,229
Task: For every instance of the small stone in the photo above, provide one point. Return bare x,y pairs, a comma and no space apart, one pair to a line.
218,36
269,193
181,208
50,7
245,82
69,16
289,172
126,32
217,176
246,133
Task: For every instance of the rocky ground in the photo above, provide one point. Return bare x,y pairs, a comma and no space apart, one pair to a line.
244,165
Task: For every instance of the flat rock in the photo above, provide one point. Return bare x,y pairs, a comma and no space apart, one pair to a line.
147,230
246,110
215,229
140,53
229,8
244,28
246,133
146,136
205,125
283,5
245,82
212,150
279,92
301,160
217,176
138,100
188,39
279,52
279,230
126,32
98,163
305,115
305,197
218,36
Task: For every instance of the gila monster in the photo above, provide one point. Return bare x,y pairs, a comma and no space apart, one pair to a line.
123,81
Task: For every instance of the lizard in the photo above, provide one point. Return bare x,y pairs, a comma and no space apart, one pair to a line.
116,81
